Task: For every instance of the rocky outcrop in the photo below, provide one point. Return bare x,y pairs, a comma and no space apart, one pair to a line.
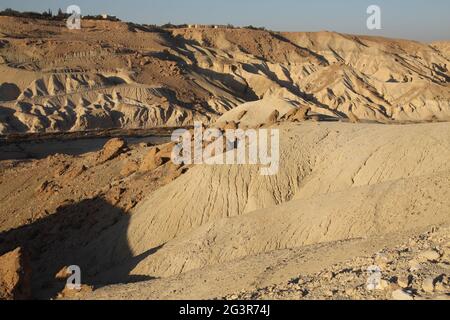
15,276
112,149
172,83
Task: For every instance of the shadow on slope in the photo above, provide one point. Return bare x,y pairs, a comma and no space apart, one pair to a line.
9,91
66,238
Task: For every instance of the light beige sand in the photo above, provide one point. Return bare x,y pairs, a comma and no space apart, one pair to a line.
326,206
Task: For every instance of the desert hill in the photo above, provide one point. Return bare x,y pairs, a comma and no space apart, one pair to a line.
363,175
225,212
119,75
328,207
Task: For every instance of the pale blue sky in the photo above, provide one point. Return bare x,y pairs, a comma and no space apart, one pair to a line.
423,20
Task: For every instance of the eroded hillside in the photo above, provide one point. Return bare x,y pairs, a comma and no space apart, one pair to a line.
118,75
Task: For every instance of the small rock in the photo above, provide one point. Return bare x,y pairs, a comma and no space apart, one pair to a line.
446,254
112,149
404,282
113,196
129,168
144,61
329,293
428,285
430,255
298,114
382,285
352,117
152,160
67,293
441,284
172,171
401,295
351,292
43,186
230,125
165,151
15,276
328,275
440,287
414,265
144,144
63,273
381,259
241,115
273,117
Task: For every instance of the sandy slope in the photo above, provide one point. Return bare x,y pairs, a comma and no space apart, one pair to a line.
113,74
333,270
321,184
212,216
343,191
328,206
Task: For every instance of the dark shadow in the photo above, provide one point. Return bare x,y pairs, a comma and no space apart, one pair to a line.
9,92
166,56
441,71
7,116
320,58
134,27
114,81
4,43
313,99
288,85
180,46
392,80
230,84
91,234
326,118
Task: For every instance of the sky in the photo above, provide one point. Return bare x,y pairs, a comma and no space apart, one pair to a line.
423,20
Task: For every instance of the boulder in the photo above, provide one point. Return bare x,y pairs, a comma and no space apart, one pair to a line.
75,170
15,276
156,157
151,160
298,114
111,150
429,255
